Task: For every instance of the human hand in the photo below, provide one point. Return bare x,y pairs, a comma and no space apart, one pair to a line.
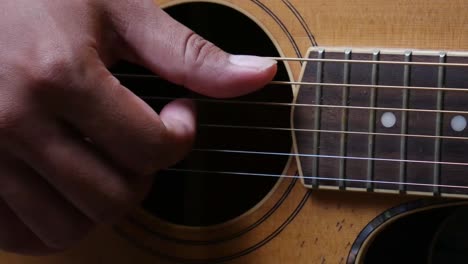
77,146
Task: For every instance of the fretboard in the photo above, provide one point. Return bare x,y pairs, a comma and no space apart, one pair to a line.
384,120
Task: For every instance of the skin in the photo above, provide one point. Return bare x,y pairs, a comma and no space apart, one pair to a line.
77,147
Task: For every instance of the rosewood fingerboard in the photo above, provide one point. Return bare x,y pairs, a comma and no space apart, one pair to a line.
383,120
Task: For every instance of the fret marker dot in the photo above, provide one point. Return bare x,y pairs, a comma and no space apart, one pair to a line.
388,119
458,123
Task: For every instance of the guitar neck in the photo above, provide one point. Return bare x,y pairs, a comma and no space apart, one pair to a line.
384,120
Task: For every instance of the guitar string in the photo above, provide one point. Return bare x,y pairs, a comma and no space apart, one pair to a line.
411,63
255,174
288,83
147,98
207,100
399,87
354,61
338,106
319,178
329,131
267,153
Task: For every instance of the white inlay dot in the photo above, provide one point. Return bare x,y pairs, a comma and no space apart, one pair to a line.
388,119
458,123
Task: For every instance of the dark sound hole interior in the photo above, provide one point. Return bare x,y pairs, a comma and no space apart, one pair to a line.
433,236
203,199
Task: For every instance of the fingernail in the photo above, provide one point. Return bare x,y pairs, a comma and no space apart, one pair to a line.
255,62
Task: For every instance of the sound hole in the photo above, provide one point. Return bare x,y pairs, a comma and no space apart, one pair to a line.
431,236
203,199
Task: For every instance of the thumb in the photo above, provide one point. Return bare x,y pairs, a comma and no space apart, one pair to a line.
179,55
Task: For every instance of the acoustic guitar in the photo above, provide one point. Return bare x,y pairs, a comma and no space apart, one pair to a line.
356,153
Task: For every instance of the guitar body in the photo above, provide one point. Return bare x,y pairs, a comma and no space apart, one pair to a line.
291,223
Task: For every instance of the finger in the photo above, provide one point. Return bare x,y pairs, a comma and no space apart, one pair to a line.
79,173
56,222
179,120
124,127
15,237
178,54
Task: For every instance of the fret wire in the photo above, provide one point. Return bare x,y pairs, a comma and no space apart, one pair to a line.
344,119
250,152
371,62
286,59
327,131
317,117
372,113
404,121
239,173
439,120
305,105
288,83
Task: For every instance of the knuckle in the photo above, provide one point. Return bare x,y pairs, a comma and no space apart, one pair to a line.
50,67
95,79
197,50
49,70
109,81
